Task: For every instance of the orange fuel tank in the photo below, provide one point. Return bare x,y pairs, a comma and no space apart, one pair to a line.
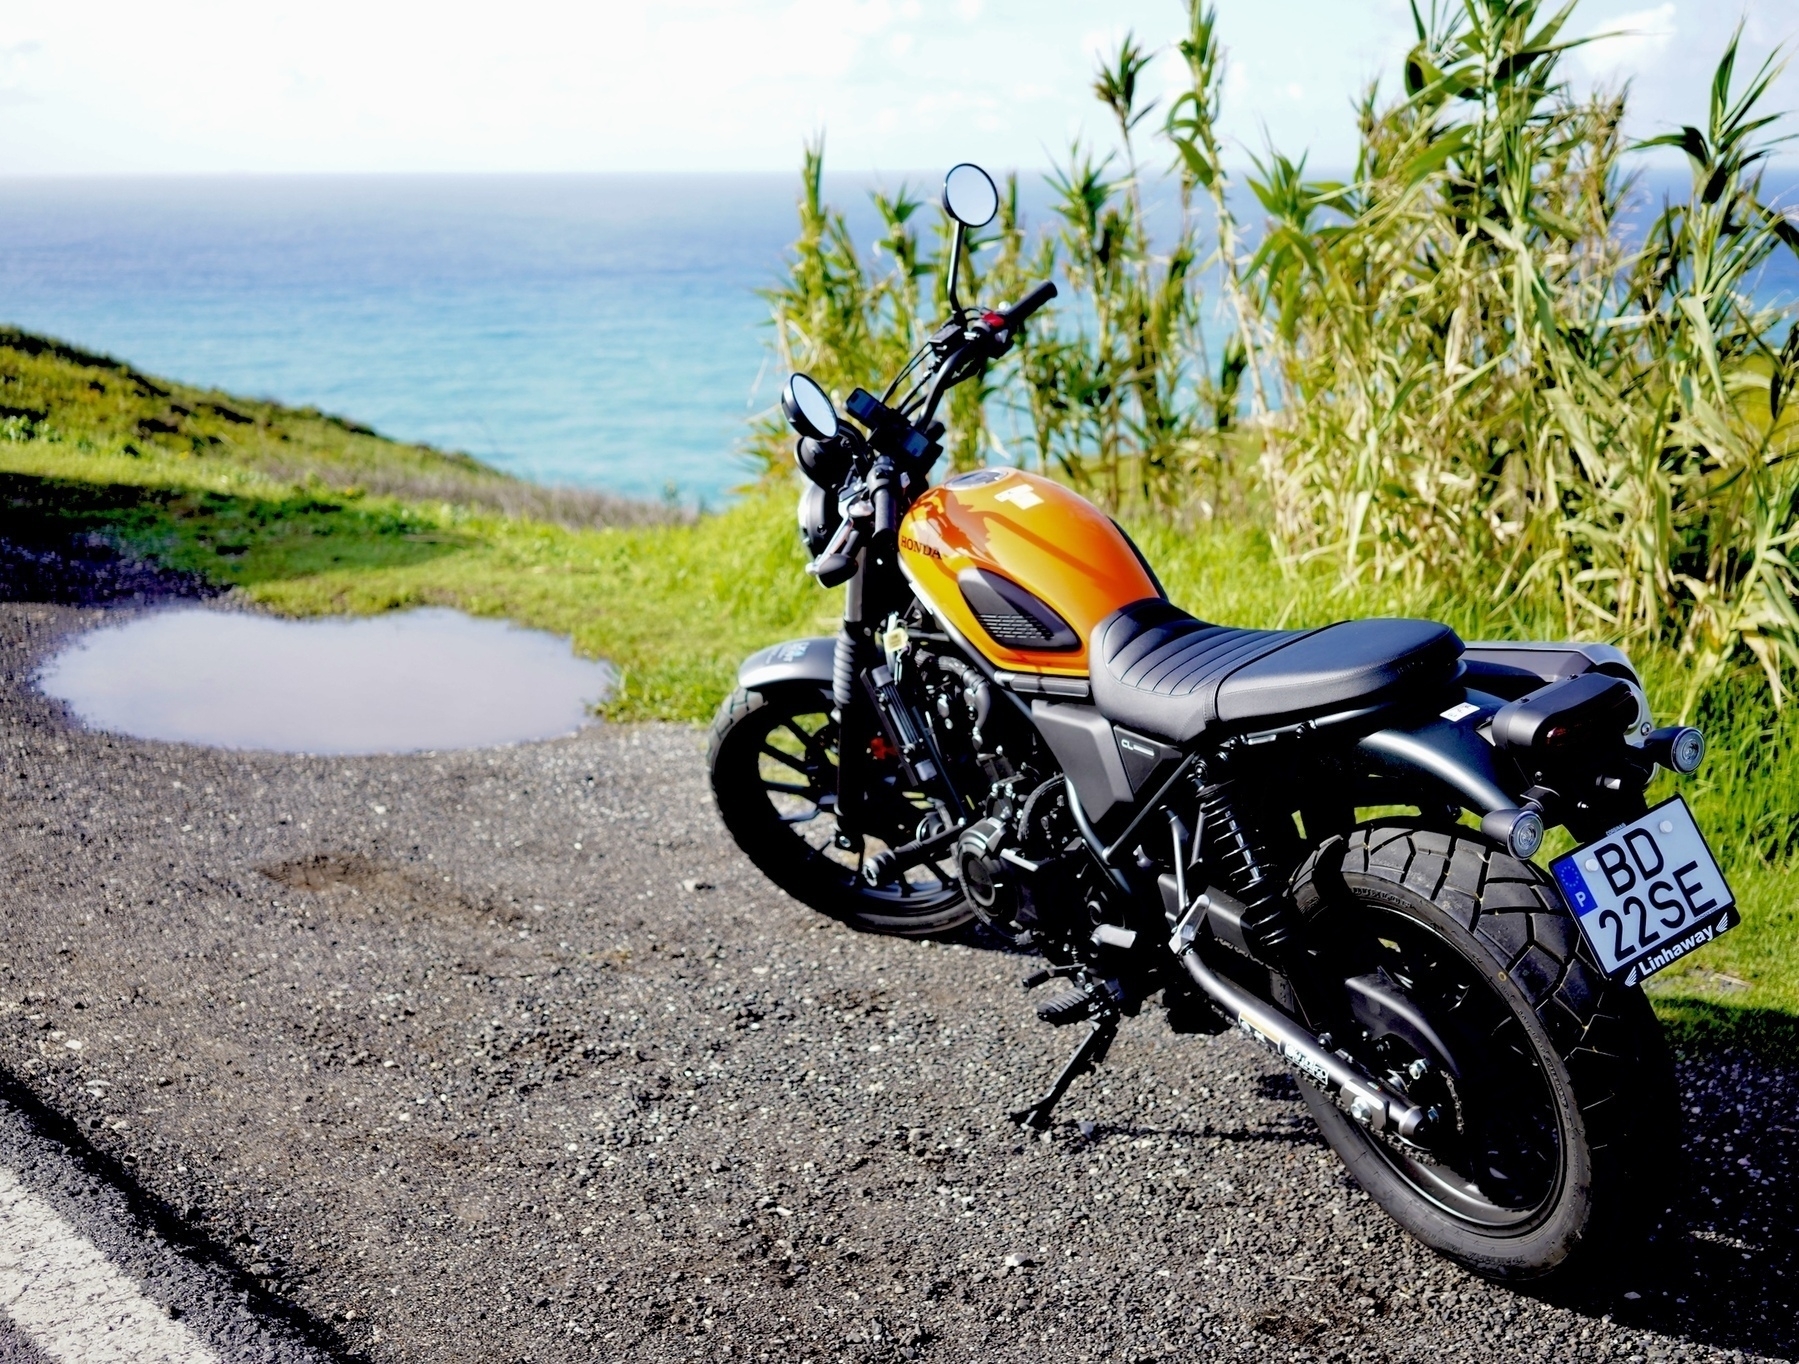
1021,567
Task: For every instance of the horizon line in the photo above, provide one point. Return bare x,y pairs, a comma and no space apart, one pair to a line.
1671,156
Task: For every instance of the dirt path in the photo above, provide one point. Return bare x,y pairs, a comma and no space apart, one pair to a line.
508,1055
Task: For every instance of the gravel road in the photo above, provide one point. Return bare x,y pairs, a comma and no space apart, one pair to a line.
508,1055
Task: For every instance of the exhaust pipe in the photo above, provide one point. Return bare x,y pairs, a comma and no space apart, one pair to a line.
1364,1098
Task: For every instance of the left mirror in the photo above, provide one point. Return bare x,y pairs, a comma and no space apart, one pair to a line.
969,195
808,408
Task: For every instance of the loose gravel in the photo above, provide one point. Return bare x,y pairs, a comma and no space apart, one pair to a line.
509,1055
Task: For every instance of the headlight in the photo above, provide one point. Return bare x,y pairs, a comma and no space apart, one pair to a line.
819,517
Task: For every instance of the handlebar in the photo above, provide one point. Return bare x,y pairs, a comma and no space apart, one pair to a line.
904,438
886,508
984,344
989,336
1029,304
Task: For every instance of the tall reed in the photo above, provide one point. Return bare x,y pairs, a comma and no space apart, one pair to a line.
1483,384
1455,370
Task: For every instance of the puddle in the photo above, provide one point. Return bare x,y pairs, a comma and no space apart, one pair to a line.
399,683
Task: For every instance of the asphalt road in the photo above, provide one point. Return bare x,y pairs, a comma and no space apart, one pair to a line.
509,1055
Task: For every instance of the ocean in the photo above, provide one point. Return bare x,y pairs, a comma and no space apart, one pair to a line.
599,331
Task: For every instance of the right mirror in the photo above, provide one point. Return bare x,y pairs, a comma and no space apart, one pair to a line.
969,195
809,409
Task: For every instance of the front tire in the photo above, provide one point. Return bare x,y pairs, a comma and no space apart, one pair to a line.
772,755
1561,1131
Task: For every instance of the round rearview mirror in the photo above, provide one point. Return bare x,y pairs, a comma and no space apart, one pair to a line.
969,196
808,408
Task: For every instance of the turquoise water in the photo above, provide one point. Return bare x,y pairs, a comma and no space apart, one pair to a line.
599,331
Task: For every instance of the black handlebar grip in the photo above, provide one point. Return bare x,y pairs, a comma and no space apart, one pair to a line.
832,570
1029,304
886,514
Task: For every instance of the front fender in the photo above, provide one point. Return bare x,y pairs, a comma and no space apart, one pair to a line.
1446,754
795,660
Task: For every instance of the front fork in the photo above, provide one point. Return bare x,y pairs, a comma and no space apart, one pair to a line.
857,725
870,710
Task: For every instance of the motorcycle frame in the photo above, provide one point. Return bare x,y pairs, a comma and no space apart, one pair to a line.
1432,756
1431,760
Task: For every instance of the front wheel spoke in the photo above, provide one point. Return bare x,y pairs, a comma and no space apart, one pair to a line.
807,741
797,763
801,794
811,793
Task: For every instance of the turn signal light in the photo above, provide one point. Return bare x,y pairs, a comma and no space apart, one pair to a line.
1520,830
1679,748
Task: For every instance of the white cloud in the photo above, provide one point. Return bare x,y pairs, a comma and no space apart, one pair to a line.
370,85
1624,44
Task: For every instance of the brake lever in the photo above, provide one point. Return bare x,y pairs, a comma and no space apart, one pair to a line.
837,564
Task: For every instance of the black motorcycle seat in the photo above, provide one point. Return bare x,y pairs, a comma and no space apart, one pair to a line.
1172,676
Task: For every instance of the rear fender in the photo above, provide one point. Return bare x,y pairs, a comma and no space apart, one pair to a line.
1447,757
1552,661
795,660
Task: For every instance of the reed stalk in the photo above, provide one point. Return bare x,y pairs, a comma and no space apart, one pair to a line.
1462,372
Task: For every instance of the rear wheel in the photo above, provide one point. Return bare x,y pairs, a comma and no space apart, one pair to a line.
773,760
1452,970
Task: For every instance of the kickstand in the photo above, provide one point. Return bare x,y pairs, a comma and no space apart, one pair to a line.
1086,1057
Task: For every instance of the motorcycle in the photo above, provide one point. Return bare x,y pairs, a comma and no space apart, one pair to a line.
1016,725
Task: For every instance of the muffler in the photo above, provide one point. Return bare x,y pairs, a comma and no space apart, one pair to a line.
1370,1102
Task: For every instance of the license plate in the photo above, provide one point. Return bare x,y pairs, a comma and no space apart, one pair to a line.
1647,893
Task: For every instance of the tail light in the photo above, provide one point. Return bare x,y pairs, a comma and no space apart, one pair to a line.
1593,709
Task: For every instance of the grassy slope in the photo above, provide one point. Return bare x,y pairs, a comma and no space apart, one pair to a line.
279,503
308,515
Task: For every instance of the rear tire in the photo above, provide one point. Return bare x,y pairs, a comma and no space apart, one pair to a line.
772,755
1561,1058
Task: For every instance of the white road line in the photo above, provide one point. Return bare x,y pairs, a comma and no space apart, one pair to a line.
67,1297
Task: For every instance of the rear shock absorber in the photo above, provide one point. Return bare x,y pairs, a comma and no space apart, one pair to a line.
1241,863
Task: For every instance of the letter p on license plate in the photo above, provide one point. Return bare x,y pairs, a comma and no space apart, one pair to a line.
1647,893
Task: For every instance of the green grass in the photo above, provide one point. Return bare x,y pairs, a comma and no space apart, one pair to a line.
277,502
283,504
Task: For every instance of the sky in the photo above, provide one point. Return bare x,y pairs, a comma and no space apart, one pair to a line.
184,86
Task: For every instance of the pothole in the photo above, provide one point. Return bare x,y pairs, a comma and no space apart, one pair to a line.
402,683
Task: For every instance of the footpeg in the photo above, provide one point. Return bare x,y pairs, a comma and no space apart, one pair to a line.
1065,1007
1084,998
